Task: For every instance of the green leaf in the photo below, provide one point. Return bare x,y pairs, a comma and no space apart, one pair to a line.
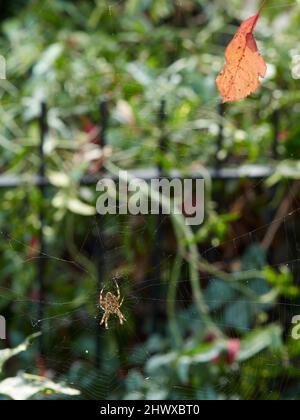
205,352
259,340
239,315
24,387
2,68
73,204
59,179
7,354
79,207
157,363
287,169
255,257
47,59
218,294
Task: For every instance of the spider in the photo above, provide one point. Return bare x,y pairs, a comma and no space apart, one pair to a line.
111,305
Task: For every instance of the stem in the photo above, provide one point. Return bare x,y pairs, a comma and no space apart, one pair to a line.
171,299
282,212
203,265
262,6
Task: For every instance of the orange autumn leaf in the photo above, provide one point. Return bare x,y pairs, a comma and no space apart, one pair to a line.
244,64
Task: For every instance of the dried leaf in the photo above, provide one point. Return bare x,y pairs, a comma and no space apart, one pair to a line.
244,64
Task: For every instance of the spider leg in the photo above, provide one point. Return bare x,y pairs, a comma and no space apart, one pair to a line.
121,317
106,321
101,298
118,290
121,303
103,319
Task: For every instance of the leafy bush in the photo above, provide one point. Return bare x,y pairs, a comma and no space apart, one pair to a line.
216,324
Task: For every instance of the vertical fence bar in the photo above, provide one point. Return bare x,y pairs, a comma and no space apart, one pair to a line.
163,138
276,130
104,117
162,116
42,260
220,138
100,241
274,152
159,233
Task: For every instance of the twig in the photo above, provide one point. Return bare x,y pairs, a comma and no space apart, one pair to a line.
262,6
279,218
235,281
171,301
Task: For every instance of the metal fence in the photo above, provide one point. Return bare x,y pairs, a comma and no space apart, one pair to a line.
218,172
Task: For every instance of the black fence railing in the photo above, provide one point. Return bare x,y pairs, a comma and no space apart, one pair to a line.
219,172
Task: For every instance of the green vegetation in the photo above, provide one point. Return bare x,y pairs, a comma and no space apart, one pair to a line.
217,325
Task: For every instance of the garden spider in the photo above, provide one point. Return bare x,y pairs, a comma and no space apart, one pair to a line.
111,305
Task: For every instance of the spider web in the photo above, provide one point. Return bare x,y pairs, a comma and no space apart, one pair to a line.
72,327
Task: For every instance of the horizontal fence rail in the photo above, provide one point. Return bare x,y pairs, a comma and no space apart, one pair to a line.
226,173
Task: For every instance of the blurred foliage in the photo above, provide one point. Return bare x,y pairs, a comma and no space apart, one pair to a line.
24,386
72,55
